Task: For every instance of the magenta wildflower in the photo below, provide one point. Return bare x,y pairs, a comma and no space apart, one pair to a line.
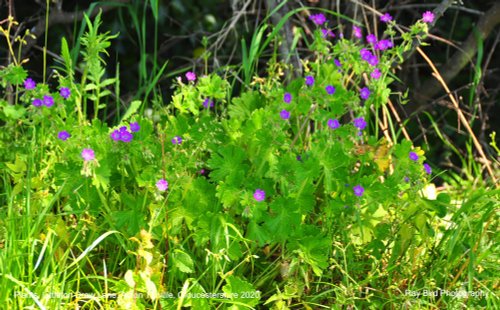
364,93
333,123
383,45
135,127
37,102
359,123
358,190
284,114
162,185
365,54
48,101
319,19
126,136
29,84
330,89
371,38
373,60
287,98
428,17
63,135
191,76
177,140
88,154
259,195
327,33
65,92
208,103
116,135
375,74
357,32
386,18
427,168
413,156
309,80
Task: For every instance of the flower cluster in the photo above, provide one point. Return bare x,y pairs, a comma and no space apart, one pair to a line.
414,157
46,100
369,57
122,134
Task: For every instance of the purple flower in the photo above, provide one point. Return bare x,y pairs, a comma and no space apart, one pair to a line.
373,60
29,84
333,123
428,17
375,74
365,54
309,80
287,98
126,136
162,185
285,114
37,102
259,195
191,76
330,90
358,190
299,158
135,127
65,92
63,135
337,63
88,154
371,38
116,135
382,45
413,156
427,168
177,140
357,32
364,93
359,123
319,19
325,33
386,18
407,179
48,101
208,103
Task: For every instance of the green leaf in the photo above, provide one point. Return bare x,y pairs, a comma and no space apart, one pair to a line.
13,112
241,291
229,161
14,74
182,261
134,106
258,233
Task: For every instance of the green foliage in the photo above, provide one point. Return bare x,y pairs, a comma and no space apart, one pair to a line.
261,210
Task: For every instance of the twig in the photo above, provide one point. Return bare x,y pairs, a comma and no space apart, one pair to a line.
458,61
478,146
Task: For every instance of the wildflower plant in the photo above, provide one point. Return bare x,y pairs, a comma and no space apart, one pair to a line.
230,182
